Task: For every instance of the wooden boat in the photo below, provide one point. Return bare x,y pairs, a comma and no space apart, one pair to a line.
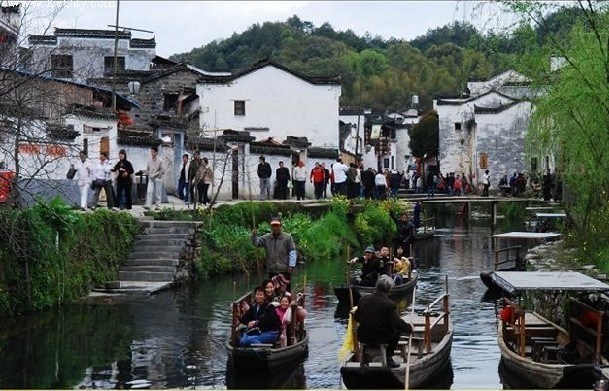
267,357
541,352
426,354
513,260
357,291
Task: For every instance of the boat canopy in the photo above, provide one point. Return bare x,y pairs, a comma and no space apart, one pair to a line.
528,235
514,281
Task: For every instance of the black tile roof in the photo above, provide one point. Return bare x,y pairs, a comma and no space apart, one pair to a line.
316,152
262,148
140,43
138,138
83,33
62,132
91,112
318,80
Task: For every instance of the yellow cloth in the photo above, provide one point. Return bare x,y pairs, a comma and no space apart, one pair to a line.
402,266
348,341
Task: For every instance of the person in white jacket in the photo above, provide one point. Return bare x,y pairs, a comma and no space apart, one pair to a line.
83,175
102,179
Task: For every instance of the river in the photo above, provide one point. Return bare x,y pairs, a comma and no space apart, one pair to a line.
175,339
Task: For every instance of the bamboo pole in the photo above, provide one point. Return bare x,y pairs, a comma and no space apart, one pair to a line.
249,185
407,371
349,279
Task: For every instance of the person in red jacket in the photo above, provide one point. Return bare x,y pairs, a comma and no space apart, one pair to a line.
318,178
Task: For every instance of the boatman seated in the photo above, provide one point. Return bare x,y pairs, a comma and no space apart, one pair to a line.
379,322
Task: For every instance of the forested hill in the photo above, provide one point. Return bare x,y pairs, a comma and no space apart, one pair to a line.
380,73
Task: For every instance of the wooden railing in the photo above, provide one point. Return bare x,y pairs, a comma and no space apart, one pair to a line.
582,317
518,326
429,325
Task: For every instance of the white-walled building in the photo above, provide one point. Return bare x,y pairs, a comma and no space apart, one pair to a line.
280,114
487,129
80,54
269,100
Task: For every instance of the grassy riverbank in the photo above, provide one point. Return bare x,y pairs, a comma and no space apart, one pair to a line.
51,254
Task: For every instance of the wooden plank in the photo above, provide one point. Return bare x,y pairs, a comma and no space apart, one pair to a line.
532,319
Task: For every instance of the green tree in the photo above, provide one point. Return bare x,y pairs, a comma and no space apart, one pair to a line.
571,115
424,139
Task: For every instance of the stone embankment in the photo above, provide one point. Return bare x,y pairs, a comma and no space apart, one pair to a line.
556,256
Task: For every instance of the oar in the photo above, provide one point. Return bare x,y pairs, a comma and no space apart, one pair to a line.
407,374
249,185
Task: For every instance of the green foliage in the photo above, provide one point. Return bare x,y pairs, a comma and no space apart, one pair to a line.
226,243
570,121
424,136
374,225
50,255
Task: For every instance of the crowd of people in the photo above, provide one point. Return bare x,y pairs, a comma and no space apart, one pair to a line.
351,181
116,180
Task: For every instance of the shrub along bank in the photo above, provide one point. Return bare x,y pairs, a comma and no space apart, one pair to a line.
51,254
226,245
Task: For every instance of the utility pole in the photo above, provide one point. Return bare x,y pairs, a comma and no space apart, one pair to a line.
115,57
359,112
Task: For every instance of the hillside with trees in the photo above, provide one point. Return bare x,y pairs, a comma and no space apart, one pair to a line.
381,73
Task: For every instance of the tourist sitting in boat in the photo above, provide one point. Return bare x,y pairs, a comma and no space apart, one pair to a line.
401,264
371,267
261,323
379,322
386,265
284,312
270,291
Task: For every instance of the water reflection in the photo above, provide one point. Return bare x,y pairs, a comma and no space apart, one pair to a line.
176,339
293,377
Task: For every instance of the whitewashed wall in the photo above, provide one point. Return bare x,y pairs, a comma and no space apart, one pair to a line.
277,100
501,135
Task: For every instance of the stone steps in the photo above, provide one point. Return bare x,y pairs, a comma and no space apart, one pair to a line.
139,275
154,261
151,262
137,254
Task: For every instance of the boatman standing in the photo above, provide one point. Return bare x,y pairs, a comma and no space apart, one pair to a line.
280,250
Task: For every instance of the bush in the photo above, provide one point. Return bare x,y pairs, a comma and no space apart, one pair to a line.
50,254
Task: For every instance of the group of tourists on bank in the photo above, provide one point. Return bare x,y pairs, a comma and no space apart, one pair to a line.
116,180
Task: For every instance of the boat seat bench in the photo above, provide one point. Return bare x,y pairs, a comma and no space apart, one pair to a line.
365,349
403,346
